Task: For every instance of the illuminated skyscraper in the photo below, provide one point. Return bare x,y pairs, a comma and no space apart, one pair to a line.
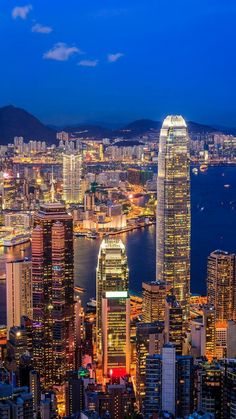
19,291
221,284
173,209
154,295
72,174
53,293
209,340
116,333
112,274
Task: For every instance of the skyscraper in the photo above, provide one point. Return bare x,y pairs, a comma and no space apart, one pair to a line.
112,274
72,173
177,382
19,291
173,209
149,341
154,294
209,336
115,333
53,293
221,284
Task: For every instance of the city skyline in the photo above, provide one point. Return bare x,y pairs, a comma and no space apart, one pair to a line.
120,77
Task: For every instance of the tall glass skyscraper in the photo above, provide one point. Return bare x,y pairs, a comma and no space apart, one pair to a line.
53,294
173,209
112,284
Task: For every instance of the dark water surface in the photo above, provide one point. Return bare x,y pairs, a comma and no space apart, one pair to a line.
213,227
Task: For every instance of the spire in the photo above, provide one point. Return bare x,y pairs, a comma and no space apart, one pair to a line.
52,190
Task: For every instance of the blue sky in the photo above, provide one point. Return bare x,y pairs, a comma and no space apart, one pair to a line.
71,61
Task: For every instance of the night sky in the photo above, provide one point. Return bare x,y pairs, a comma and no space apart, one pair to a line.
71,61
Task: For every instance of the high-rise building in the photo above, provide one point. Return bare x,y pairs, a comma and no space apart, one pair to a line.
174,323
173,210
209,332
19,291
149,341
168,378
210,389
53,293
75,391
34,388
153,380
72,174
17,344
221,284
177,382
112,274
229,409
154,295
116,333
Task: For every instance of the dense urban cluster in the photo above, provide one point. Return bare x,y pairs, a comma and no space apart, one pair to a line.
163,354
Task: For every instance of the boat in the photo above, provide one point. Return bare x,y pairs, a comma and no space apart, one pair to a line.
79,234
203,168
79,289
195,171
91,235
14,240
92,303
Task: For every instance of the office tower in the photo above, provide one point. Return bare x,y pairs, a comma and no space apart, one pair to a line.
35,390
210,389
72,174
231,339
17,344
184,385
229,367
75,391
19,291
152,399
154,295
174,323
53,293
112,274
209,338
177,382
173,210
168,378
149,341
221,284
115,333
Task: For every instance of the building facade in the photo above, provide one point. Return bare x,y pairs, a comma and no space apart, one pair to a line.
53,293
221,284
112,274
19,291
154,294
72,174
173,209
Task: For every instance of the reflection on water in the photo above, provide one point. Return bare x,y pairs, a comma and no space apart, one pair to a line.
213,227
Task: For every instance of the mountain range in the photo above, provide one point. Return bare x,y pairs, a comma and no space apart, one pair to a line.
18,122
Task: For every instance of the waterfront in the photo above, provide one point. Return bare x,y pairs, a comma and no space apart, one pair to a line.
213,226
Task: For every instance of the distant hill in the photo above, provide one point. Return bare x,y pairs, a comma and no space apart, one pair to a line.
18,122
